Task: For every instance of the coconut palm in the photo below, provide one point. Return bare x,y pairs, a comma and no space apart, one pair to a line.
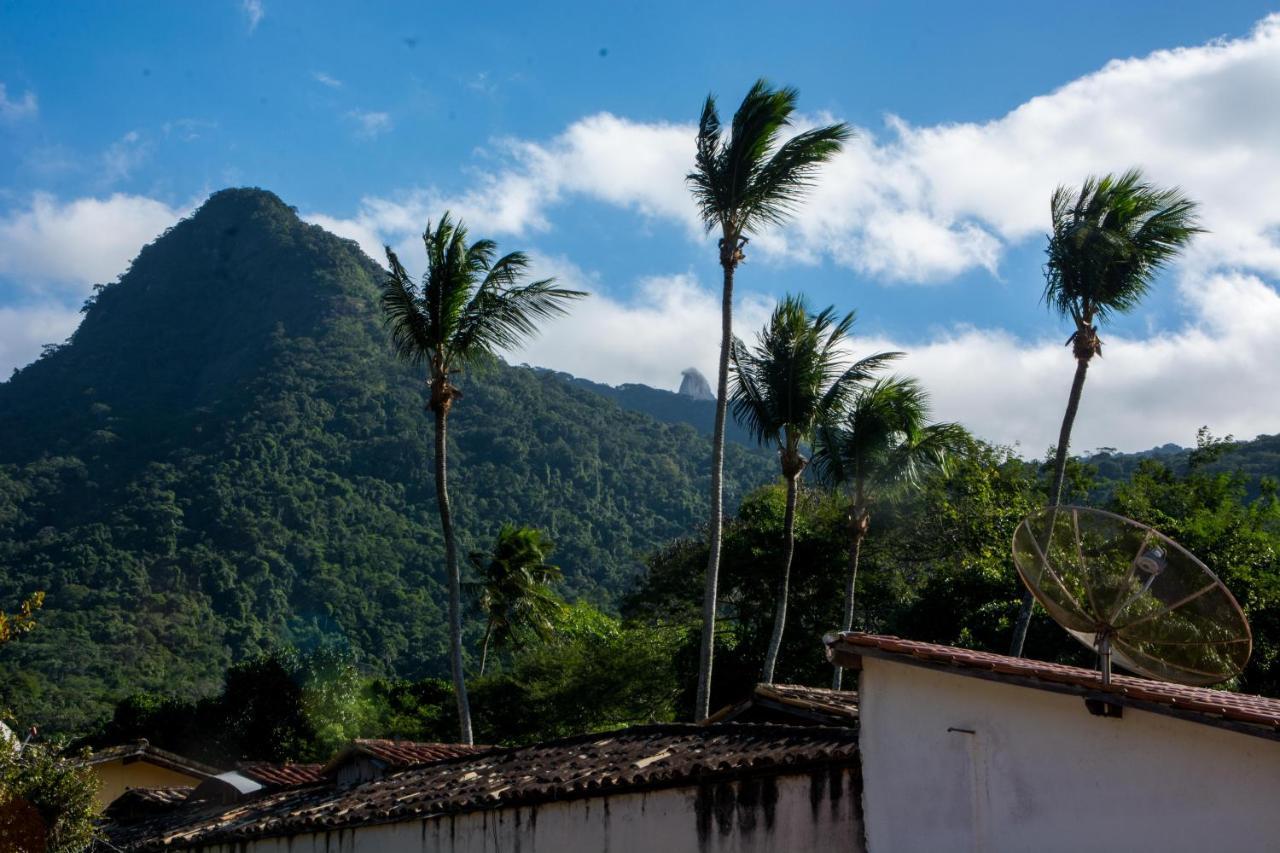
881,447
470,304
1110,240
794,379
514,587
743,183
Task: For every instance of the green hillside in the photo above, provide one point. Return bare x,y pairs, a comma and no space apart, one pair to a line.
225,456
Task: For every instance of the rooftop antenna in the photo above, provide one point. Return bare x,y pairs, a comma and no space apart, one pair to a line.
1133,595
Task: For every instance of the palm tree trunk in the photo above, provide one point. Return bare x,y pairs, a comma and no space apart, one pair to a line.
484,647
780,615
855,552
455,578
1055,494
702,706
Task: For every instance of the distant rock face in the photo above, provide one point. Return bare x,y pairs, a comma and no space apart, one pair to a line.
695,385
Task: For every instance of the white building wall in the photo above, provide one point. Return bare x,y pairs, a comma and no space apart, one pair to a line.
818,811
956,763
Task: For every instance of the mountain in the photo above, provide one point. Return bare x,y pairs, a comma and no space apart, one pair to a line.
1256,460
665,406
694,384
225,456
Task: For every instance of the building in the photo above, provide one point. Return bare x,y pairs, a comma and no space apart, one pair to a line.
140,765
674,788
966,750
940,748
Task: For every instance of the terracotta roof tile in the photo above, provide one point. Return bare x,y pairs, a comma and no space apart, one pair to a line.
645,757
407,753
282,775
1235,707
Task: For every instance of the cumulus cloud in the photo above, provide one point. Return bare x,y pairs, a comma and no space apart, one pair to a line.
15,108
326,80
923,204
665,324
1217,369
370,125
25,329
68,246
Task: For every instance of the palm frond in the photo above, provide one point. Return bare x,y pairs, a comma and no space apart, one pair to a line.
403,315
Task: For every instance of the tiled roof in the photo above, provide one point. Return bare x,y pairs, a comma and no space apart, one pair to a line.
407,753
645,757
811,704
282,775
1212,705
142,750
139,803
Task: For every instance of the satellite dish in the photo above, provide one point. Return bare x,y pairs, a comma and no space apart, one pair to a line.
1129,592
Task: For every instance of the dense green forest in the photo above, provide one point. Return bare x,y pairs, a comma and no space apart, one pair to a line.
936,567
225,458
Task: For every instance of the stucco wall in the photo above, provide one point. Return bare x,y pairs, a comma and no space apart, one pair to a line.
816,811
115,777
957,763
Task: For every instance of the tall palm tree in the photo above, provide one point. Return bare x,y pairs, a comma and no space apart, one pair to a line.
882,446
743,183
514,587
470,304
1110,240
791,382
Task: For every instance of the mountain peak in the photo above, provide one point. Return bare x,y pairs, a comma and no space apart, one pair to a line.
694,384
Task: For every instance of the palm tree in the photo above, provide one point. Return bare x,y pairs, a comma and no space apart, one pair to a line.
514,589
1109,242
741,184
881,447
793,381
469,305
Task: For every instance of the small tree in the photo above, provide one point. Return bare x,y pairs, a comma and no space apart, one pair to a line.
47,802
514,587
791,382
881,447
16,624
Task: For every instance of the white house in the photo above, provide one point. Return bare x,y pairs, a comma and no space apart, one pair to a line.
965,750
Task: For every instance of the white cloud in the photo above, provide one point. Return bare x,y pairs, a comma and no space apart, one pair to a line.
1217,369
70,246
25,329
123,156
923,204
15,109
370,125
666,324
254,11
326,80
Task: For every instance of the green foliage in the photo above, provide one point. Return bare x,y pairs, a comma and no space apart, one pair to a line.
24,620
752,178
44,793
1109,241
796,376
594,672
280,706
227,458
937,569
513,589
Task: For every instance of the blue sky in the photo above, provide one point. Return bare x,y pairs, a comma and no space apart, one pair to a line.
563,131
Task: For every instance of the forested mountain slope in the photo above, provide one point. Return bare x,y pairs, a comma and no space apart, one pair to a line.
225,456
